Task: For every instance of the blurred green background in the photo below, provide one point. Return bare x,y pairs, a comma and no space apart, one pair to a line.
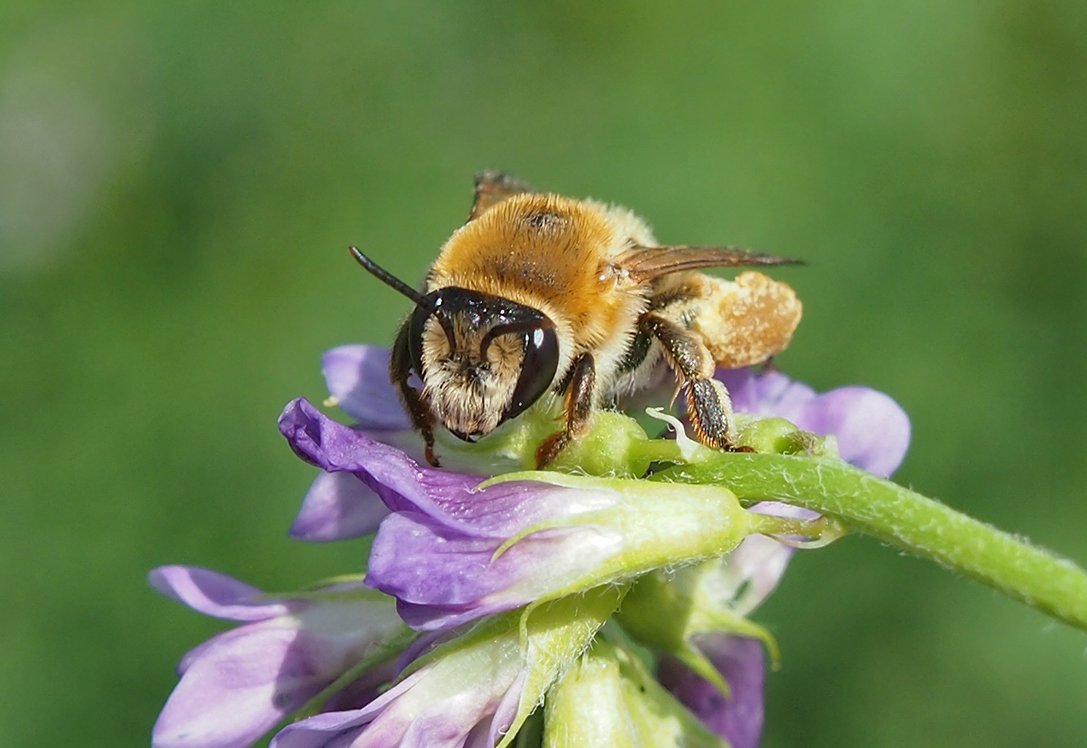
178,183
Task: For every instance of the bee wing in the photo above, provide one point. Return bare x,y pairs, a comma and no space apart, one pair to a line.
647,263
493,187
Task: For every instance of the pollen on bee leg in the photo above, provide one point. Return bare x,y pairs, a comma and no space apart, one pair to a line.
746,321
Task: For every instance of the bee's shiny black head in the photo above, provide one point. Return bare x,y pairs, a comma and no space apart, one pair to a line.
483,359
473,323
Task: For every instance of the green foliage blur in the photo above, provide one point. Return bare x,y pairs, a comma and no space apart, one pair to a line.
179,183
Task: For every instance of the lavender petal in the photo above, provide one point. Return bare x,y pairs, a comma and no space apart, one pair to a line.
237,689
738,718
872,430
215,594
337,506
357,376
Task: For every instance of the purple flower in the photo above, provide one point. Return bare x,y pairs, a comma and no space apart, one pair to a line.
437,552
513,575
238,685
472,691
445,551
452,552
339,505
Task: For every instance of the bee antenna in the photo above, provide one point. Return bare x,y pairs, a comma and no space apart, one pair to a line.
390,280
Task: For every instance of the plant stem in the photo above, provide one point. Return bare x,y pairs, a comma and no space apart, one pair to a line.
904,519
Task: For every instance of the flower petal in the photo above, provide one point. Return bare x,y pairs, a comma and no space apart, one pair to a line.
239,687
357,377
239,684
764,393
582,533
397,479
754,570
470,586
414,713
872,430
441,704
738,718
324,730
444,575
215,594
337,506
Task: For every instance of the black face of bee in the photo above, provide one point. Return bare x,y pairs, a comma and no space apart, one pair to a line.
461,309
473,387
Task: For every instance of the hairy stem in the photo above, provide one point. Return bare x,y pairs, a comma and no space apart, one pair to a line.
904,519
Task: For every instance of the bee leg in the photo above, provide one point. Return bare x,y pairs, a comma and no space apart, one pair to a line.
422,418
709,407
636,355
579,408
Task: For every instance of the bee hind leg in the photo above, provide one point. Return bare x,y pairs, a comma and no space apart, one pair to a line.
580,384
709,407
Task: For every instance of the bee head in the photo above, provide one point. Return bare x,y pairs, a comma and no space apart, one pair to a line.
483,359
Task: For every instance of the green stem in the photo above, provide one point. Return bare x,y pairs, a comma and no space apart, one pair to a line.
905,519
654,450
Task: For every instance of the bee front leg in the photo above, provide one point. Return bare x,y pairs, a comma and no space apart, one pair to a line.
422,418
579,408
709,407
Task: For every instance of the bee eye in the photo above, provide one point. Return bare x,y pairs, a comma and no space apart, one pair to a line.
415,338
538,368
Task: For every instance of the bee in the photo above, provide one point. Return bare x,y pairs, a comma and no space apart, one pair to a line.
539,293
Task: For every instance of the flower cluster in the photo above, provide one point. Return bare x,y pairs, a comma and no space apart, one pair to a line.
614,596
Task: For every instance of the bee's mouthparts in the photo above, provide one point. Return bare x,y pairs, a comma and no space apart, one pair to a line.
464,436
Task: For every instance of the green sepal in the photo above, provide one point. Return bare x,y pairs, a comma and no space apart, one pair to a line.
695,610
613,446
608,698
659,526
779,436
551,637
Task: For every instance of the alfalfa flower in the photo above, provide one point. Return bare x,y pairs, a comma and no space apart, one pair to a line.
549,588
451,552
475,690
238,685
